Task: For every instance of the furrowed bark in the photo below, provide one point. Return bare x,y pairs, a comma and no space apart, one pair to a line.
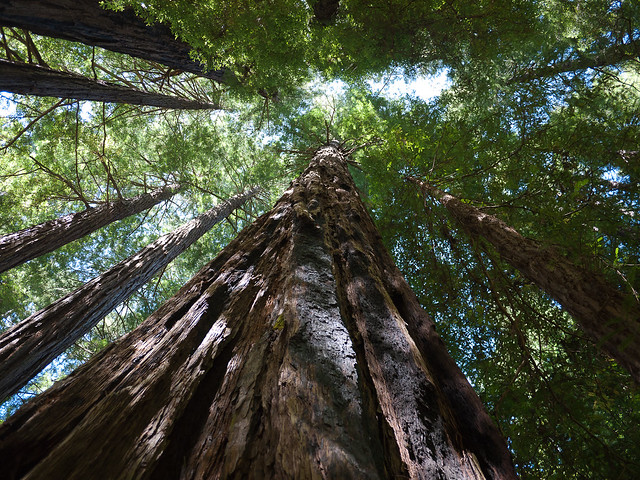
86,22
32,344
30,79
299,352
609,316
19,247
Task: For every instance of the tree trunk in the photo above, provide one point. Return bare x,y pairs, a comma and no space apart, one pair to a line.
32,344
609,316
86,22
19,247
325,11
612,55
30,79
299,352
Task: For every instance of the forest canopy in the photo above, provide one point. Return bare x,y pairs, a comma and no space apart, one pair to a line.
538,124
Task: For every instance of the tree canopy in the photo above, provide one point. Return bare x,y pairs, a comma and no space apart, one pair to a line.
538,125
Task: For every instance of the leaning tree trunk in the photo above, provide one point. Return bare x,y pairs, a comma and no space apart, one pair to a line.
609,316
32,344
30,79
85,21
19,247
299,352
610,56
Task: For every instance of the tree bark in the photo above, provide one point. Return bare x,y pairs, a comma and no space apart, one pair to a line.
612,55
324,11
86,22
299,352
32,344
609,316
30,79
19,247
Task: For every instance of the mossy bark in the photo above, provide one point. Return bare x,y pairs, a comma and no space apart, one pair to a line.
299,352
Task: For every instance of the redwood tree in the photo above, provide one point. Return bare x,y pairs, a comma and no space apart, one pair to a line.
29,346
298,352
609,316
87,22
30,79
19,247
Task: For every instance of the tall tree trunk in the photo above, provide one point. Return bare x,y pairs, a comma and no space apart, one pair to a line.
19,247
612,55
299,352
32,344
609,316
85,21
30,79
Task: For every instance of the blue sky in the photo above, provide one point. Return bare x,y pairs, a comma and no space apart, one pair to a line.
425,87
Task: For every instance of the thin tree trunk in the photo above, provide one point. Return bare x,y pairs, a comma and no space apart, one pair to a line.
612,55
32,344
19,247
85,21
299,352
30,79
609,316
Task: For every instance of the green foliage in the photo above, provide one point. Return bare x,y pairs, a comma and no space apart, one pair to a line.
527,131
362,38
558,173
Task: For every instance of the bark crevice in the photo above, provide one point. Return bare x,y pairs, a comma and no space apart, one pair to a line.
182,439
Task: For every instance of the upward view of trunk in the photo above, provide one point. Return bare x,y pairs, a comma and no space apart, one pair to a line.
612,55
85,21
609,316
19,247
30,79
32,344
299,352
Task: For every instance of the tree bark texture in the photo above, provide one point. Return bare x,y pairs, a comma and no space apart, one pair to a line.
30,79
609,316
612,55
299,352
19,247
86,22
29,346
